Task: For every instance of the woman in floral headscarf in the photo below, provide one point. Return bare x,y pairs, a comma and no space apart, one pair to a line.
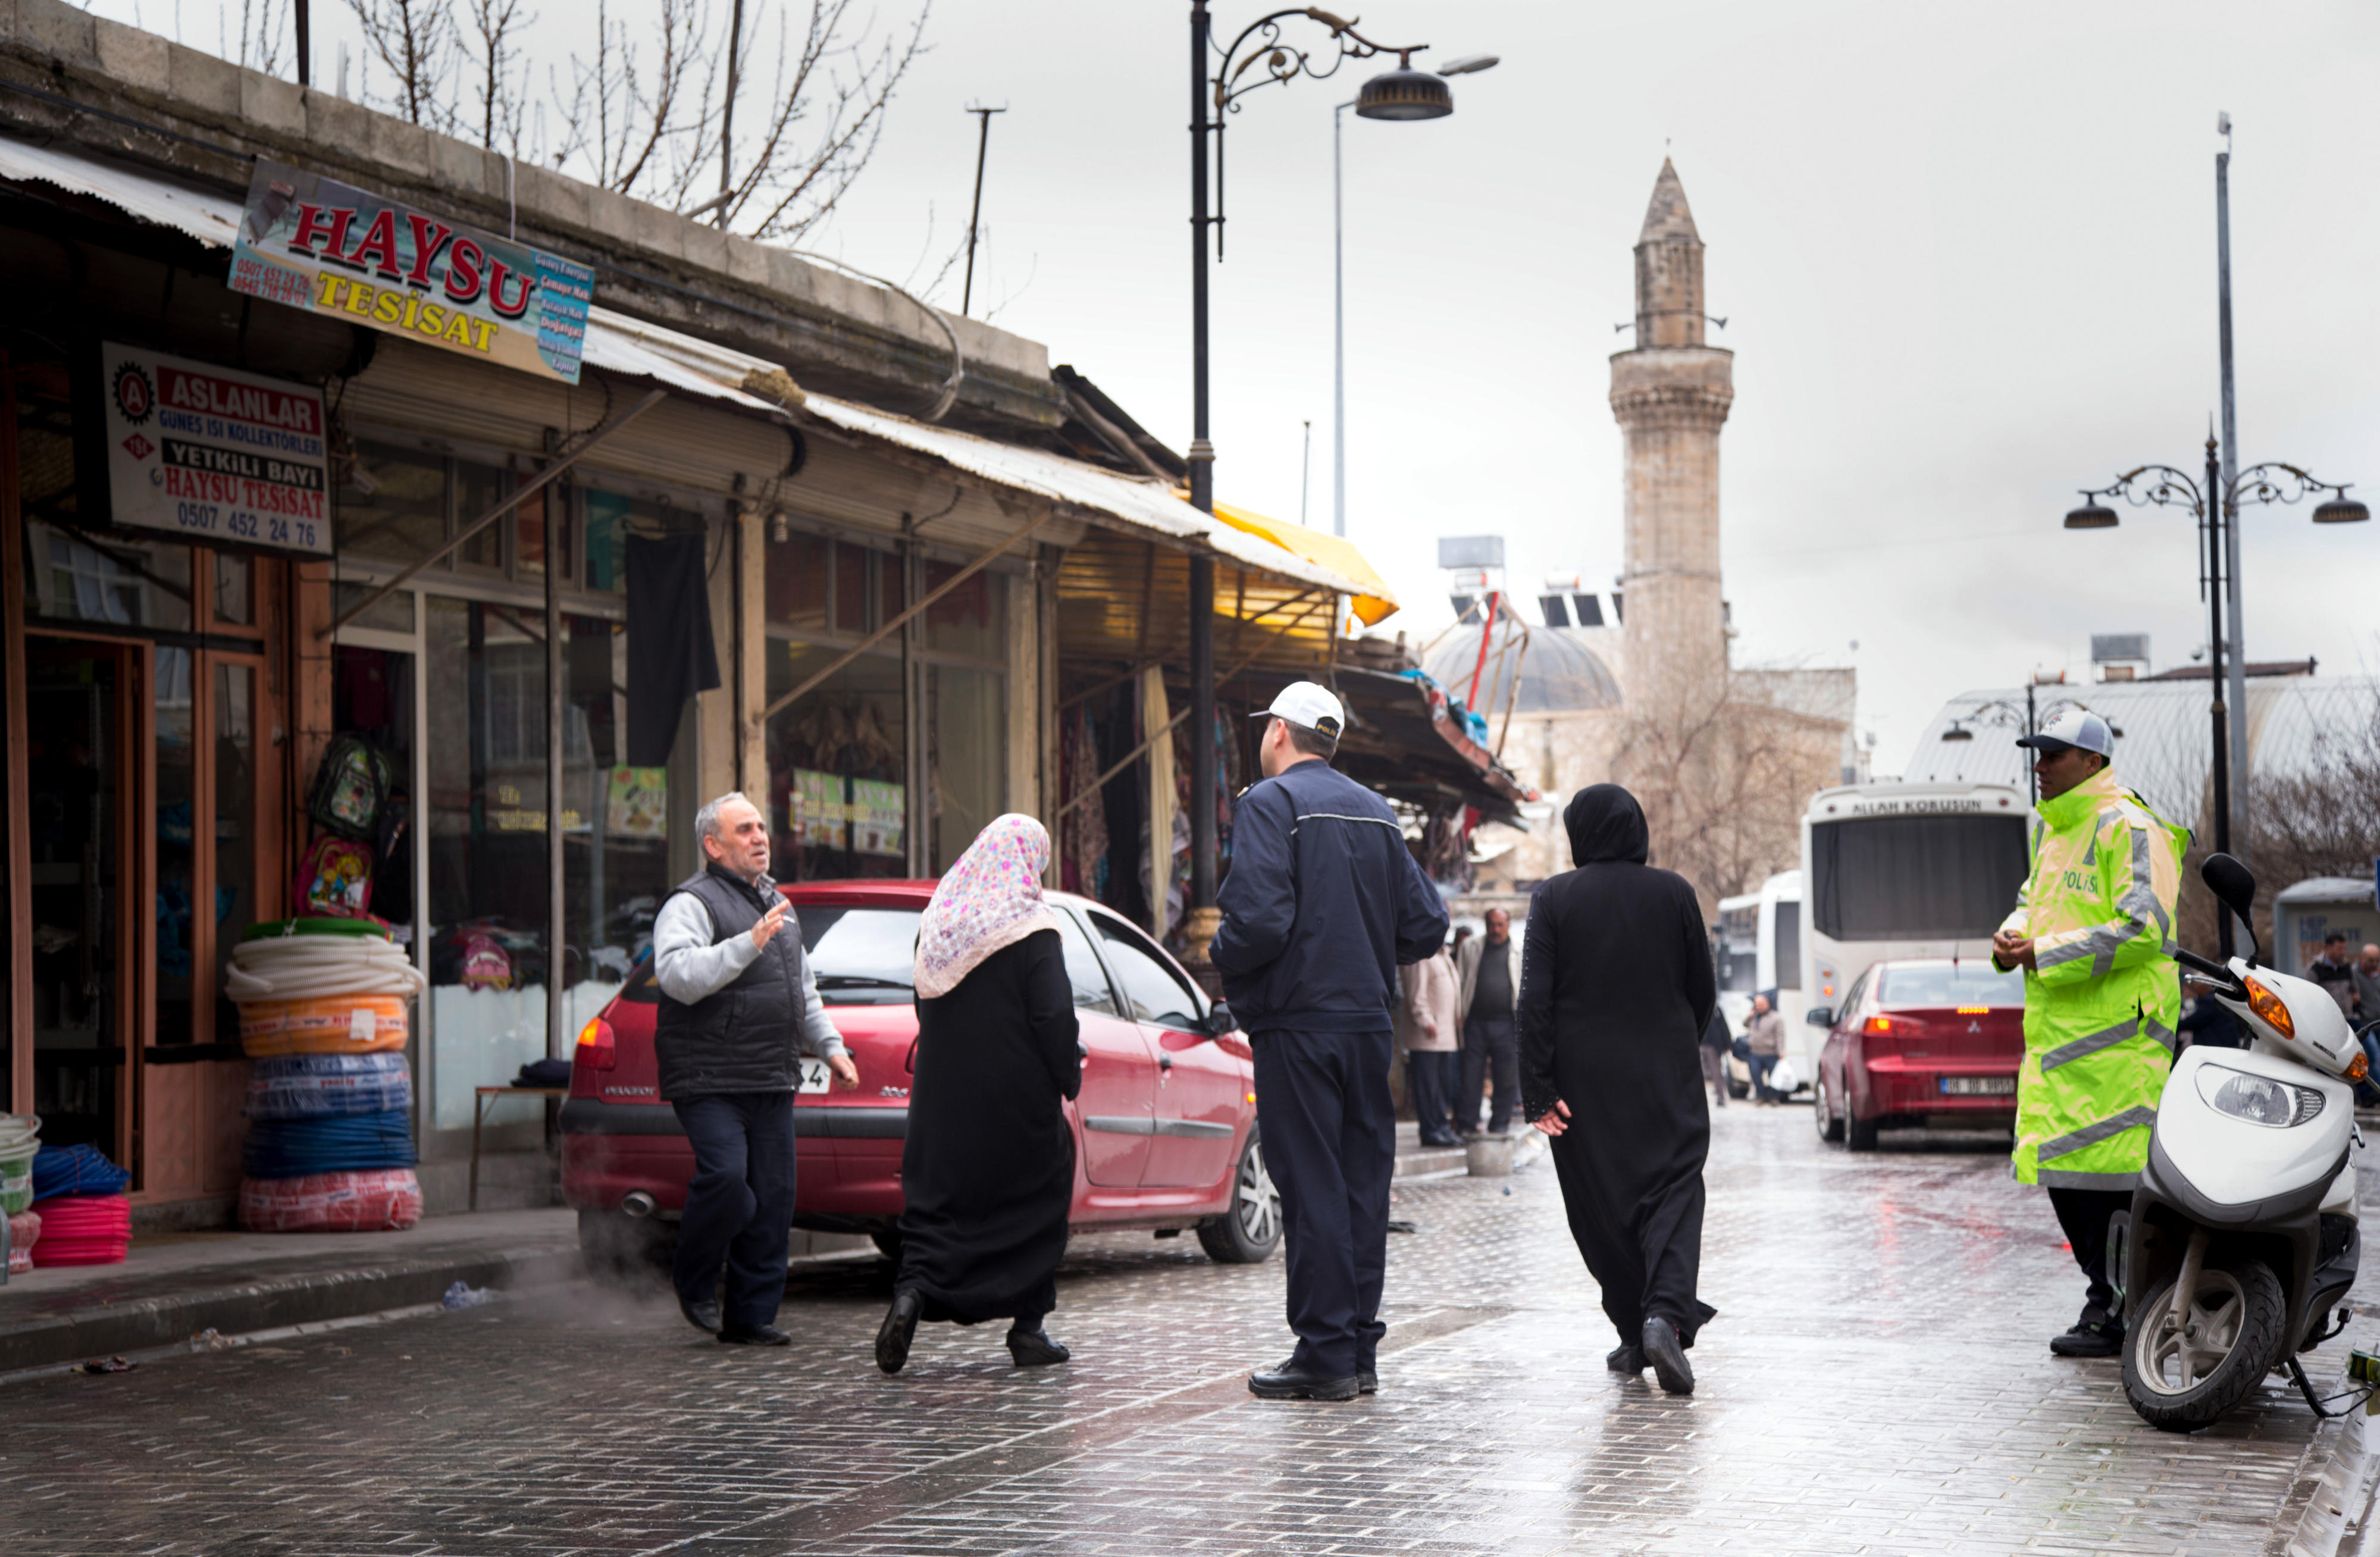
988,1171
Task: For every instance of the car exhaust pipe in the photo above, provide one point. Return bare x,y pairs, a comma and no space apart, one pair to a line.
638,1203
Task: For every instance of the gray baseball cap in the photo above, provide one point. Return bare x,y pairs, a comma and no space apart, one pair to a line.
2075,727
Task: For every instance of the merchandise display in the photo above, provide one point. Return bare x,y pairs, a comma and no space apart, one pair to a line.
321,1085
76,1169
83,1230
24,1232
384,1200
20,1139
339,1143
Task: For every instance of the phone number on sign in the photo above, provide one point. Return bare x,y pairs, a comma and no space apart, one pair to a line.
271,529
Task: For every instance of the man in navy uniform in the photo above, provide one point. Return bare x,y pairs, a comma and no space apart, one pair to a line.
1323,903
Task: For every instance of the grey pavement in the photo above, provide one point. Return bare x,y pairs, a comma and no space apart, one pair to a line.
1876,1381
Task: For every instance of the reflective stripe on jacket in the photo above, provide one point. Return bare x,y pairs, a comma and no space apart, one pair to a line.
2102,1003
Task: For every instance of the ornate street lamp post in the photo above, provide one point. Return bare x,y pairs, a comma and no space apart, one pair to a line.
2215,506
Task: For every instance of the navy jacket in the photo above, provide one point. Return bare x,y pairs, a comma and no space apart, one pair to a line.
1323,903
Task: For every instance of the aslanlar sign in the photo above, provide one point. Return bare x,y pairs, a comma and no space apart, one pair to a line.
314,243
213,453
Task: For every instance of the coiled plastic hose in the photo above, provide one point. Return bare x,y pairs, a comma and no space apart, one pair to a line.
309,966
352,1143
321,1086
386,1200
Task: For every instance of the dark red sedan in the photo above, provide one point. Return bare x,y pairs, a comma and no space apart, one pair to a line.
1929,1042
1165,1133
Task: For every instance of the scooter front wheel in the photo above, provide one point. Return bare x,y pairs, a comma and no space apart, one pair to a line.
2183,1371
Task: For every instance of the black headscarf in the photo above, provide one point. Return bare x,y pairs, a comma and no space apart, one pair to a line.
1605,823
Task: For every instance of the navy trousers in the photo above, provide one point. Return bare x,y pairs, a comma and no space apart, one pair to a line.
739,1208
1431,1078
1490,1045
1331,1142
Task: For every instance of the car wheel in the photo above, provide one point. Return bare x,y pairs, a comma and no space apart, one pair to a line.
1858,1134
1250,1230
620,1247
1830,1127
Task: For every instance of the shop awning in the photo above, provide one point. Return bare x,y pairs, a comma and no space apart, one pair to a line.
1374,603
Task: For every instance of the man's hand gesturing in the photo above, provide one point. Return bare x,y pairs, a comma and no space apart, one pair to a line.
770,924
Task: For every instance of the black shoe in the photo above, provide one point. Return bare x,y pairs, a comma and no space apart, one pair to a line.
900,1325
1367,1382
1289,1381
753,1335
2102,1339
1031,1348
702,1316
1625,1359
1668,1356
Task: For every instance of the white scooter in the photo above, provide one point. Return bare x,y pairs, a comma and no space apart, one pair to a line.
2242,1235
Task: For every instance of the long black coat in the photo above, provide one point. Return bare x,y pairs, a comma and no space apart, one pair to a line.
1616,988
988,1171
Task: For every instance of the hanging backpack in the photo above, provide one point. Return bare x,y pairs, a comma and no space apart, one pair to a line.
334,879
351,788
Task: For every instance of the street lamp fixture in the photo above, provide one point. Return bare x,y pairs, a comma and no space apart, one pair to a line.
1468,63
2090,515
2341,509
1405,93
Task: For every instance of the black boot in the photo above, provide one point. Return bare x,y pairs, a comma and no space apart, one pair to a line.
1667,1356
1625,1359
899,1327
1033,1348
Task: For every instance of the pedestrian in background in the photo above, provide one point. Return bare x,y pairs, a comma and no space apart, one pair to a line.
1490,970
2335,973
1716,1047
1427,1028
988,1168
738,1008
1323,903
1763,1039
2102,999
2364,973
1616,992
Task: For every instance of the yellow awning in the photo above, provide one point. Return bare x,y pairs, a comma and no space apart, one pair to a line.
1330,551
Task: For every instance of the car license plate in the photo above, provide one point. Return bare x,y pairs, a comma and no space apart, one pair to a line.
1983,1085
814,1075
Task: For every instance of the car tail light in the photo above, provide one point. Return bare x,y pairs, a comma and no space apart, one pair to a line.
595,1048
2268,1008
1974,1011
1880,1026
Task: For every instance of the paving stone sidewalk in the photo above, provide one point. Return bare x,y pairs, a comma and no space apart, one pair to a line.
1876,1381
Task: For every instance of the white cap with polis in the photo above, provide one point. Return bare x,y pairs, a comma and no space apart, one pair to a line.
2074,727
1309,706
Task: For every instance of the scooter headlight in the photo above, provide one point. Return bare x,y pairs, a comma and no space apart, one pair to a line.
2259,1100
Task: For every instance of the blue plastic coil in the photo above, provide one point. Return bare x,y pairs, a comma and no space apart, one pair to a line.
341,1144
329,1086
77,1169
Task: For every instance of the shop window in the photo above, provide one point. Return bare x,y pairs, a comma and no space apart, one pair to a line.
838,767
236,905
614,823
479,488
392,613
483,817
529,525
128,584
798,569
77,710
970,620
607,542
235,589
967,766
176,846
391,502
851,589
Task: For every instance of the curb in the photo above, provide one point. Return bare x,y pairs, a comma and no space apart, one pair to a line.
105,1329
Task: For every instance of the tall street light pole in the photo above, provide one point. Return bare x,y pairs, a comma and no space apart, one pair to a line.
2236,688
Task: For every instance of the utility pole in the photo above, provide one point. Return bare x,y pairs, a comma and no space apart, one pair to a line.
304,42
1338,335
2236,690
975,216
727,113
1305,472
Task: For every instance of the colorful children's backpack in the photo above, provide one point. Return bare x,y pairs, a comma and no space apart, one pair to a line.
350,788
334,879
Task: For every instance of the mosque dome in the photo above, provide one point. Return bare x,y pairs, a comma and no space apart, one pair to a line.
1560,672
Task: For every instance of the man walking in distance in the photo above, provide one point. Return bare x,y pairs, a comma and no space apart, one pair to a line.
1489,969
738,1006
1323,903
2094,931
1764,1035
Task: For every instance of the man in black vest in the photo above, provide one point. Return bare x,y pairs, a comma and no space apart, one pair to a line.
738,1007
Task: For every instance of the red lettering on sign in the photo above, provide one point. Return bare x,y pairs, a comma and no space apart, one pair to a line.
313,229
430,236
463,278
498,273
380,244
210,395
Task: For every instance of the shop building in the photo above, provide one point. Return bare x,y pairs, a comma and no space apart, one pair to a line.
915,558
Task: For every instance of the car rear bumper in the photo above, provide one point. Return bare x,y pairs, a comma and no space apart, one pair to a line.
1905,1088
610,1150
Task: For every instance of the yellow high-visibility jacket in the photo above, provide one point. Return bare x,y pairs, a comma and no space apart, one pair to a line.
2102,1003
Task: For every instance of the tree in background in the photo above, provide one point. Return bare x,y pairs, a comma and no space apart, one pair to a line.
658,122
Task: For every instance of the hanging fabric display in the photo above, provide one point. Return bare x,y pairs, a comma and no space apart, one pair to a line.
671,652
1084,850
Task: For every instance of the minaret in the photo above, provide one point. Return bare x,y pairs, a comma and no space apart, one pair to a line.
1671,395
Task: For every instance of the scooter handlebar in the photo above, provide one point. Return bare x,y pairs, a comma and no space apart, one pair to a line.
2214,971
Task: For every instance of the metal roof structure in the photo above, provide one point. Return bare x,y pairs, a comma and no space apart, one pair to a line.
2162,732
1560,672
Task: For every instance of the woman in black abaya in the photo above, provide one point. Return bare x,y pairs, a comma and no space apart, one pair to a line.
1616,987
988,1171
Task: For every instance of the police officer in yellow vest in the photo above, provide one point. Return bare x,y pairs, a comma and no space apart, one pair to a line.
2094,931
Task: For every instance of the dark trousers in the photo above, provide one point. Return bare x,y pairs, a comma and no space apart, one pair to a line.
1715,1074
739,1208
1489,1041
1331,1142
1431,1077
2082,1215
1761,1066
1647,1253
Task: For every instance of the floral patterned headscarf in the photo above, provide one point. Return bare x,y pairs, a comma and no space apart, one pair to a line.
990,898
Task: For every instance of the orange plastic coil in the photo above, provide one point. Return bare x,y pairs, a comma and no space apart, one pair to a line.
326,1025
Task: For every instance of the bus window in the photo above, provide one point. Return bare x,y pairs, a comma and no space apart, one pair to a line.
1906,878
1739,954
1788,946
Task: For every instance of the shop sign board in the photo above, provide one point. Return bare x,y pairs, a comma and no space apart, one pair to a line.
311,242
638,803
211,453
879,811
818,808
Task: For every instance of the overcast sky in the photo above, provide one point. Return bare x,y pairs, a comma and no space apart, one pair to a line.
1966,254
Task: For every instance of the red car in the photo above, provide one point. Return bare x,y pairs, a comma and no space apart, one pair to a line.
1920,1042
1165,1131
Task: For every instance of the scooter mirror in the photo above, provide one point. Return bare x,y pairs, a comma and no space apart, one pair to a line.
2235,887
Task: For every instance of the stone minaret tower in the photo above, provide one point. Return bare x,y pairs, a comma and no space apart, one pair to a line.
1671,395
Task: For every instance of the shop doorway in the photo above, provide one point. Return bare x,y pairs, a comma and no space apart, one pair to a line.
82,729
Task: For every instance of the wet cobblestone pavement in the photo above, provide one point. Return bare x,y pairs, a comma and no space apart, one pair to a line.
1876,1381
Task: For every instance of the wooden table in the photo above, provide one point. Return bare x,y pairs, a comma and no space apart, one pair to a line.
480,1113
